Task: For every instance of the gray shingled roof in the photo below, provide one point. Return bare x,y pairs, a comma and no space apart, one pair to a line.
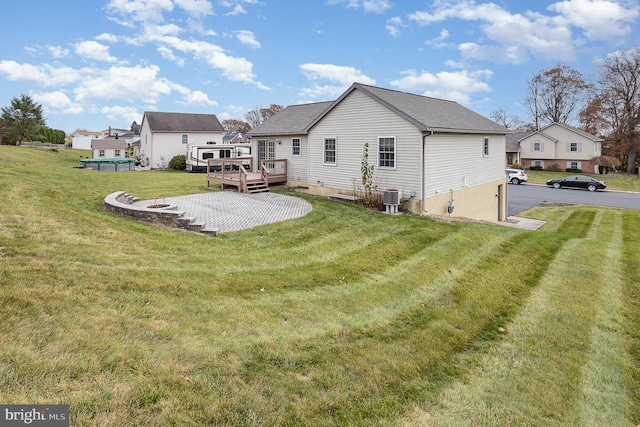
292,120
428,114
513,141
106,144
182,122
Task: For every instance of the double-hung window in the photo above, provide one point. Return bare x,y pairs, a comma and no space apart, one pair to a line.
330,151
117,153
101,153
185,138
295,147
485,147
387,152
536,146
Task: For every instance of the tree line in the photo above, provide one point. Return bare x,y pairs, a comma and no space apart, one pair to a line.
23,120
608,107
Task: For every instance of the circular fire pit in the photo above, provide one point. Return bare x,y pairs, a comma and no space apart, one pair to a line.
159,206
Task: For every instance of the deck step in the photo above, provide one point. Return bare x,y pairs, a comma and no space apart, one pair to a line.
257,187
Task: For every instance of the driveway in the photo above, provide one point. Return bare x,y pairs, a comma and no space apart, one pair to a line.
526,196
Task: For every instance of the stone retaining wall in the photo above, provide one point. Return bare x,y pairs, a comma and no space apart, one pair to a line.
121,203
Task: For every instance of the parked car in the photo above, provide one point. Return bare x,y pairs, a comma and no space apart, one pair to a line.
516,176
578,181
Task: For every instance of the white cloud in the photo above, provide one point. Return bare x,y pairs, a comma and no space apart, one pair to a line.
141,10
94,50
57,102
512,37
119,113
393,26
127,83
456,86
168,54
43,74
106,37
376,6
369,6
58,51
599,19
196,8
197,98
247,38
341,76
237,10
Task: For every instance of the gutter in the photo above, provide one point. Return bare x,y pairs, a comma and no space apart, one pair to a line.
422,171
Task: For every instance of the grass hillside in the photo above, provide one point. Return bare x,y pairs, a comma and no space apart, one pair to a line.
342,317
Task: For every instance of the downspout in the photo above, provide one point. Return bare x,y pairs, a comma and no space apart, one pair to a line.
422,172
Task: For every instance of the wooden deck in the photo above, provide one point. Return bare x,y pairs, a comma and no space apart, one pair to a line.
237,172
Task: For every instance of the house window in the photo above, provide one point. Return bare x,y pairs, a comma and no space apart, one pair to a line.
537,146
117,153
185,138
387,152
295,146
485,148
574,165
574,147
101,153
330,151
538,163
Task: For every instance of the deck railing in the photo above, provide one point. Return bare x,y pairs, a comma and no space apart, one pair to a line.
274,170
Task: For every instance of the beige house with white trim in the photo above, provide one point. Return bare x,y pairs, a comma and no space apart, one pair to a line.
108,148
436,152
562,145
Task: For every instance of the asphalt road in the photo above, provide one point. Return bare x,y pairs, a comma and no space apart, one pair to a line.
526,196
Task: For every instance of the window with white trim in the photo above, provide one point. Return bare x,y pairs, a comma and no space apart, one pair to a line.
185,138
330,151
485,147
117,153
538,163
101,153
536,146
387,152
295,146
574,165
574,147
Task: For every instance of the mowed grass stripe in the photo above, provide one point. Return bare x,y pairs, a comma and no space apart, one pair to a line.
605,397
371,373
536,375
631,307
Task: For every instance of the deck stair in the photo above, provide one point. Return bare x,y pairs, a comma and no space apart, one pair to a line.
258,186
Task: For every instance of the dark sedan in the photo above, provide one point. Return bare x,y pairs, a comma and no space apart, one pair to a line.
578,181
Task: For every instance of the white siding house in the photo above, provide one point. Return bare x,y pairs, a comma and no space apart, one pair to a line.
432,150
166,135
561,145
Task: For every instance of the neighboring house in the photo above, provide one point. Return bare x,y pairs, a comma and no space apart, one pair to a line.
166,135
436,152
236,138
81,140
562,145
513,146
108,148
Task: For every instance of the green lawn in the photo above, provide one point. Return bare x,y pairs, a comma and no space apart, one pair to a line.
615,181
342,317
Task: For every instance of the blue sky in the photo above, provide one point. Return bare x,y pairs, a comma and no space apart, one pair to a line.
100,63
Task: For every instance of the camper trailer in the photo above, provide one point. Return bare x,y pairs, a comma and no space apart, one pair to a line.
198,155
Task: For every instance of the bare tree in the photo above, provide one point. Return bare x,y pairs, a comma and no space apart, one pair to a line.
555,95
253,117
265,113
510,121
619,94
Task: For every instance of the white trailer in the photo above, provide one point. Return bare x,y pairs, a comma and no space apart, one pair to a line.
197,155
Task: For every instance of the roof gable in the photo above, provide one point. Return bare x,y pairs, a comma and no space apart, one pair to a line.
292,120
426,113
181,122
572,129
